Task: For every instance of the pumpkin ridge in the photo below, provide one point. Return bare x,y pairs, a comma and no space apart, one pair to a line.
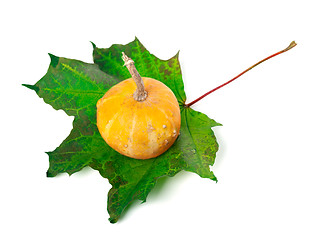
110,123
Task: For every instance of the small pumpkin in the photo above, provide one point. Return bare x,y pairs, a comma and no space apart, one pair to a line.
139,117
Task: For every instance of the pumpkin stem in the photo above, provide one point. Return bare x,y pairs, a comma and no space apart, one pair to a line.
140,94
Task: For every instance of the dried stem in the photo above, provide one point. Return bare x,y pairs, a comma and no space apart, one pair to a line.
140,94
292,44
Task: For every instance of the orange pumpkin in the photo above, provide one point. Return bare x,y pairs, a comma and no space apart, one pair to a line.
143,128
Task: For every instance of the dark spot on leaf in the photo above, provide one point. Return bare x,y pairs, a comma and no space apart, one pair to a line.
161,68
167,72
170,63
119,182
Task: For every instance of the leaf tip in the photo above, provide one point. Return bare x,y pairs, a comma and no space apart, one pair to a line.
32,87
93,44
137,41
113,220
49,174
214,178
216,124
54,60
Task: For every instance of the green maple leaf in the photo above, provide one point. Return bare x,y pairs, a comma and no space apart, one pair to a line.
75,87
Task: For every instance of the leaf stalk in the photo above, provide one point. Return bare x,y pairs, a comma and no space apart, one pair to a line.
292,44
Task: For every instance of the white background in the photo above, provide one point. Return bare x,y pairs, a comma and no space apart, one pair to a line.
263,162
